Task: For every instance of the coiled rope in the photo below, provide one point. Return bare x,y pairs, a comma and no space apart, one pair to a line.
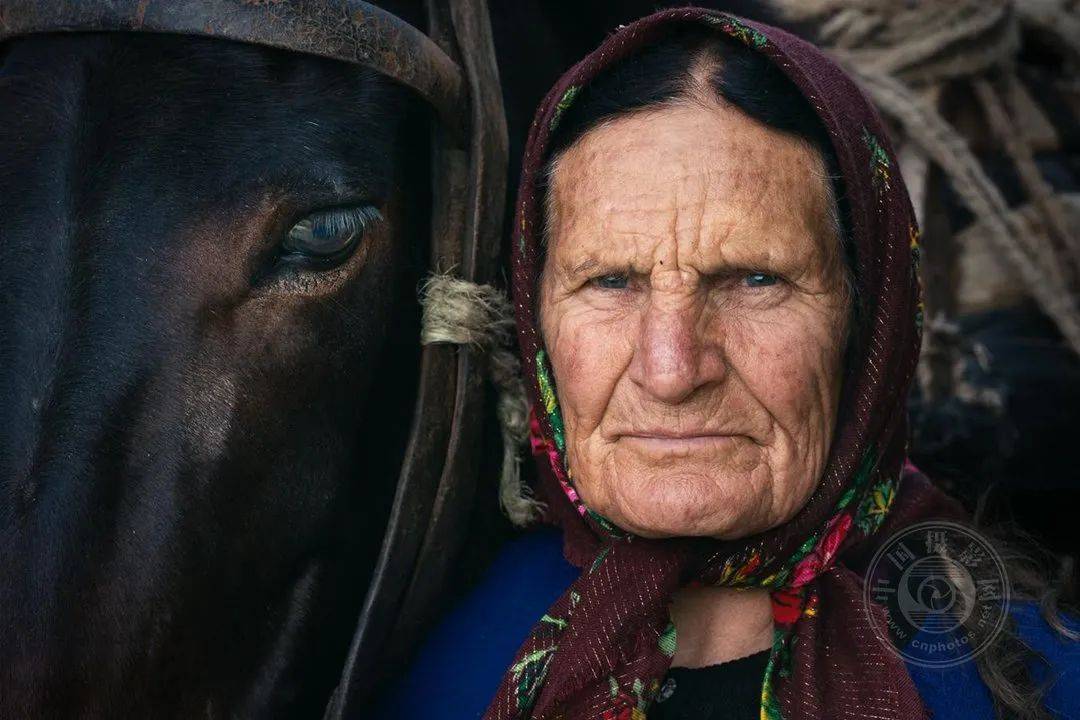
899,50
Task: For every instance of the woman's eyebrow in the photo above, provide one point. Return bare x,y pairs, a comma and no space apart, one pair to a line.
585,266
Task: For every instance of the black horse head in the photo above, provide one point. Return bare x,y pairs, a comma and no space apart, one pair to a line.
208,257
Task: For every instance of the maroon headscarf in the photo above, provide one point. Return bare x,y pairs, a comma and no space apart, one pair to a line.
602,649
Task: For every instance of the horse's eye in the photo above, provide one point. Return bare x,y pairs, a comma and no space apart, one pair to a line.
759,279
329,235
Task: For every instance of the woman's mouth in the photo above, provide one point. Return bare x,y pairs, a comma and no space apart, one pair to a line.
668,442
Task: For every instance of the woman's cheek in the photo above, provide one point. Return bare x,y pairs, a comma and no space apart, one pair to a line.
774,368
589,352
791,365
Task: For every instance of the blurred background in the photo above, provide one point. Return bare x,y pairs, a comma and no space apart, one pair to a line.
983,101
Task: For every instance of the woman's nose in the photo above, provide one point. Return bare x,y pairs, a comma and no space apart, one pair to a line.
673,358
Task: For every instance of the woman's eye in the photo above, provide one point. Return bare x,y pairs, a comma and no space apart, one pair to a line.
612,281
759,279
327,237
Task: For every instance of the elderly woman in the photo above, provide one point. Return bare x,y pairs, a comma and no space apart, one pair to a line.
714,270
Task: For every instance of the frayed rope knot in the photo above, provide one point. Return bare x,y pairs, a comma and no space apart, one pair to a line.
463,313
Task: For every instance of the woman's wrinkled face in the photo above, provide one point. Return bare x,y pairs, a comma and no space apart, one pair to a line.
694,309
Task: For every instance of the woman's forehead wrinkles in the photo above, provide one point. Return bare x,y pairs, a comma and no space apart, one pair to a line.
708,234
708,189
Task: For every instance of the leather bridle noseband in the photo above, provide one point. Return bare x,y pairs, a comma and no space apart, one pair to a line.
453,69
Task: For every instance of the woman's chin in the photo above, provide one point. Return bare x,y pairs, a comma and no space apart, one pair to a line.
687,505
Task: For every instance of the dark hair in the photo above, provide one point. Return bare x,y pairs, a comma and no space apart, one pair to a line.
669,71
661,73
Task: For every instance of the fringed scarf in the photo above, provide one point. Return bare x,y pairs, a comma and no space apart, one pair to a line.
602,650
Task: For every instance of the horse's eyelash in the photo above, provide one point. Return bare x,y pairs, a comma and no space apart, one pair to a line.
344,220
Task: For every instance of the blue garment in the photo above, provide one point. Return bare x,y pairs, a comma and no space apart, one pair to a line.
457,671
958,692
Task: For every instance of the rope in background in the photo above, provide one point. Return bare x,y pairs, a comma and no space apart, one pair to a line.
902,51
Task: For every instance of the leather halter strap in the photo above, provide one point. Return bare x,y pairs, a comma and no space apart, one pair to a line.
352,31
